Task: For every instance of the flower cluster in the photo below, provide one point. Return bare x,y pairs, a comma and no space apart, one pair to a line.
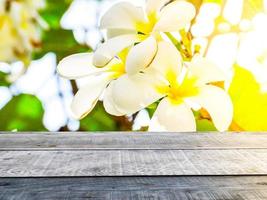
141,63
20,25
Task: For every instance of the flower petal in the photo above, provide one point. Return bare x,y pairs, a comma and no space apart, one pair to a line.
155,5
175,16
167,59
172,117
133,93
86,98
206,71
111,33
141,55
123,15
108,50
108,102
77,66
218,104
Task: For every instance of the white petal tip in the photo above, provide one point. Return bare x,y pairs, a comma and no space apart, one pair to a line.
76,66
78,112
62,68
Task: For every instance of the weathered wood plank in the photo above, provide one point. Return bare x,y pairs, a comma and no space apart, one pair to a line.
118,165
135,188
132,162
70,141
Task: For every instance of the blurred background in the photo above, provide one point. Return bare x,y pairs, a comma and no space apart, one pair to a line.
36,34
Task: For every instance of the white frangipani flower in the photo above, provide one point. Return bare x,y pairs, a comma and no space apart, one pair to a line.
179,88
20,25
101,81
128,25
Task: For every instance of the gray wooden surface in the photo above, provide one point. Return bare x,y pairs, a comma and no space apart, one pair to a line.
133,166
135,188
113,140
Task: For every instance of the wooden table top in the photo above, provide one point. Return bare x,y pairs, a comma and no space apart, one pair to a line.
221,166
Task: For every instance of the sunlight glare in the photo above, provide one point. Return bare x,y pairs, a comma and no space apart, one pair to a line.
233,11
223,50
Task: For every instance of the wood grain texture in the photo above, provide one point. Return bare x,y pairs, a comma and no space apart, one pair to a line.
133,166
70,141
132,162
135,188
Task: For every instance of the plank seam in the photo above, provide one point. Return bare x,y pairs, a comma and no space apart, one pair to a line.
139,176
122,149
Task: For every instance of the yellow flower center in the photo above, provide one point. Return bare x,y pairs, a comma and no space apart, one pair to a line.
144,29
117,70
176,91
117,67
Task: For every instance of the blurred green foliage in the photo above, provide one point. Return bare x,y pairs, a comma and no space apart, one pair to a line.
205,125
25,112
98,120
22,113
54,11
61,42
3,79
56,39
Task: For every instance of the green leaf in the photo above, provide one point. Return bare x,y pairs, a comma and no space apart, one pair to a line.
23,113
205,125
3,79
98,120
152,108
